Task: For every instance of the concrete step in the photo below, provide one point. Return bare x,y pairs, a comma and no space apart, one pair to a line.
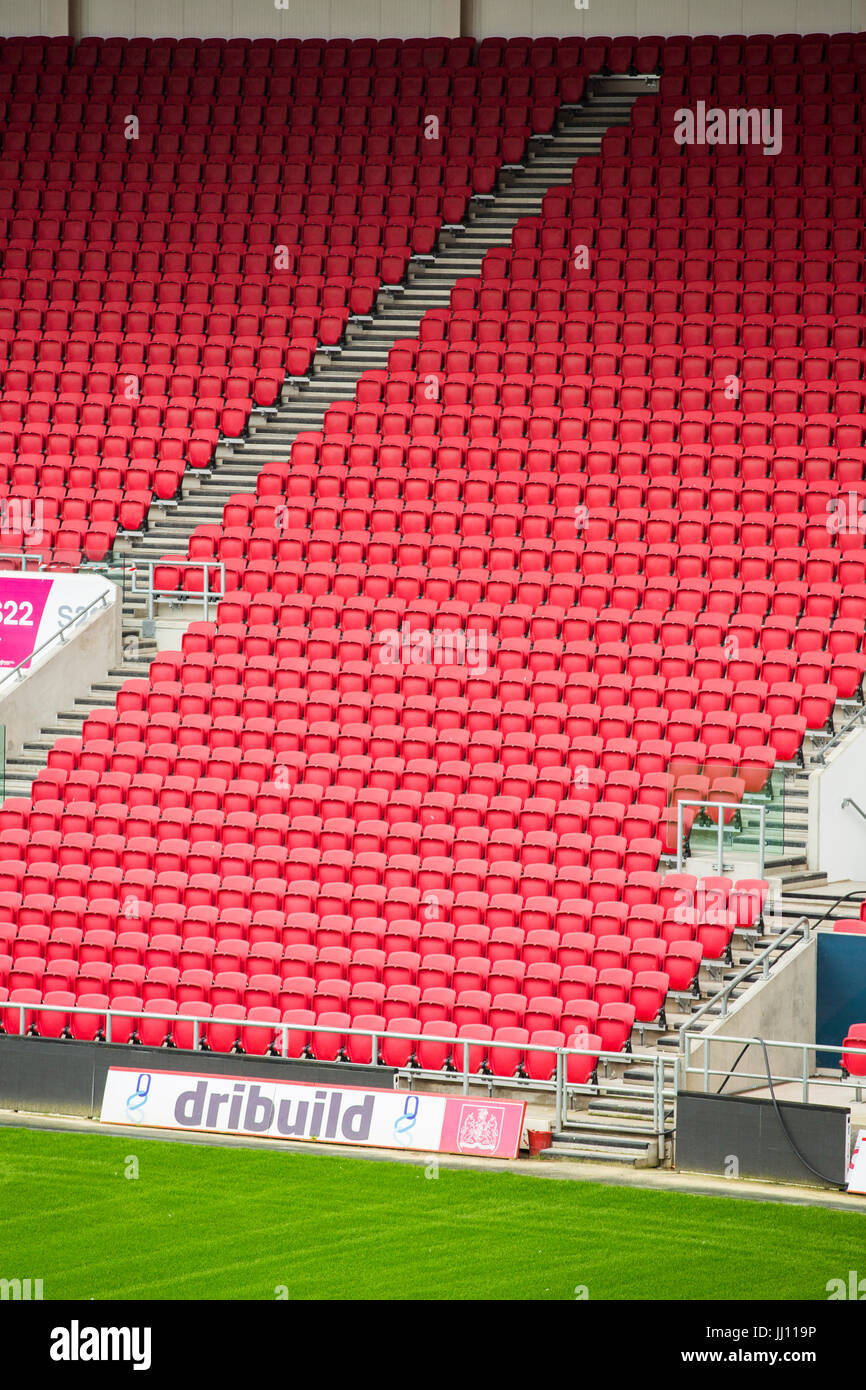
582,1141
627,1131
611,1153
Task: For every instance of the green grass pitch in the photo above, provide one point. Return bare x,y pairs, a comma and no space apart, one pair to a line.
203,1222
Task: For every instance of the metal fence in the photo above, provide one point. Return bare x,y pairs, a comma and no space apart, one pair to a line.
208,595
803,1074
557,1082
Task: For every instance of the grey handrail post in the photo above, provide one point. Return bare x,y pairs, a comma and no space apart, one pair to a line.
284,1040
559,1090
762,841
466,1067
680,845
805,1073
108,1025
721,854
659,1083
195,1035
206,589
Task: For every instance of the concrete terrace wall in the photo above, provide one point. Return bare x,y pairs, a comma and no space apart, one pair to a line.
329,19
538,18
68,671
48,17
426,18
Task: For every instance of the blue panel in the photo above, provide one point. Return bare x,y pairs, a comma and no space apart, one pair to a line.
841,990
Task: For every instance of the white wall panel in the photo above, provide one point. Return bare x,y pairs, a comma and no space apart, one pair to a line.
538,17
367,19
835,17
259,18
705,17
405,18
773,17
50,17
662,17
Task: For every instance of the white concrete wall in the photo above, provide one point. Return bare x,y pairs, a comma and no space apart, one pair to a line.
65,673
425,18
837,837
50,17
557,17
256,19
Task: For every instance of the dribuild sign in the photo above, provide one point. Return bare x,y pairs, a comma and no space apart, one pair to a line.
302,1110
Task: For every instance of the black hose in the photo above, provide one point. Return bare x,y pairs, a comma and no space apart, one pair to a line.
840,1187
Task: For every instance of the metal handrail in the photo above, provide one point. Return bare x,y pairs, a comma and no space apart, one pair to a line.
22,556
109,1011
559,1083
801,927
849,801
803,1048
18,670
283,1028
856,718
721,806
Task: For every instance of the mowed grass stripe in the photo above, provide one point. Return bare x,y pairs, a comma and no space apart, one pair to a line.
205,1222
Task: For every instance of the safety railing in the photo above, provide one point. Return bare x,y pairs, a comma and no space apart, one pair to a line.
721,806
22,559
662,1092
558,1083
207,594
803,1075
59,636
820,757
801,928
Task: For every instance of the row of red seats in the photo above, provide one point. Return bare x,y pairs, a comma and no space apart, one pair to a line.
249,55
430,987
505,1053
159,431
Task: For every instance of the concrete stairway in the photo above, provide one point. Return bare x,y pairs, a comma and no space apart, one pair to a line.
270,434
617,1125
612,1130
398,313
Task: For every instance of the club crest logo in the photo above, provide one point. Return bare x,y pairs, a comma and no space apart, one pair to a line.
480,1128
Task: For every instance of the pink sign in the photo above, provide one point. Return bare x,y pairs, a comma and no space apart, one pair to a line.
482,1128
22,603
